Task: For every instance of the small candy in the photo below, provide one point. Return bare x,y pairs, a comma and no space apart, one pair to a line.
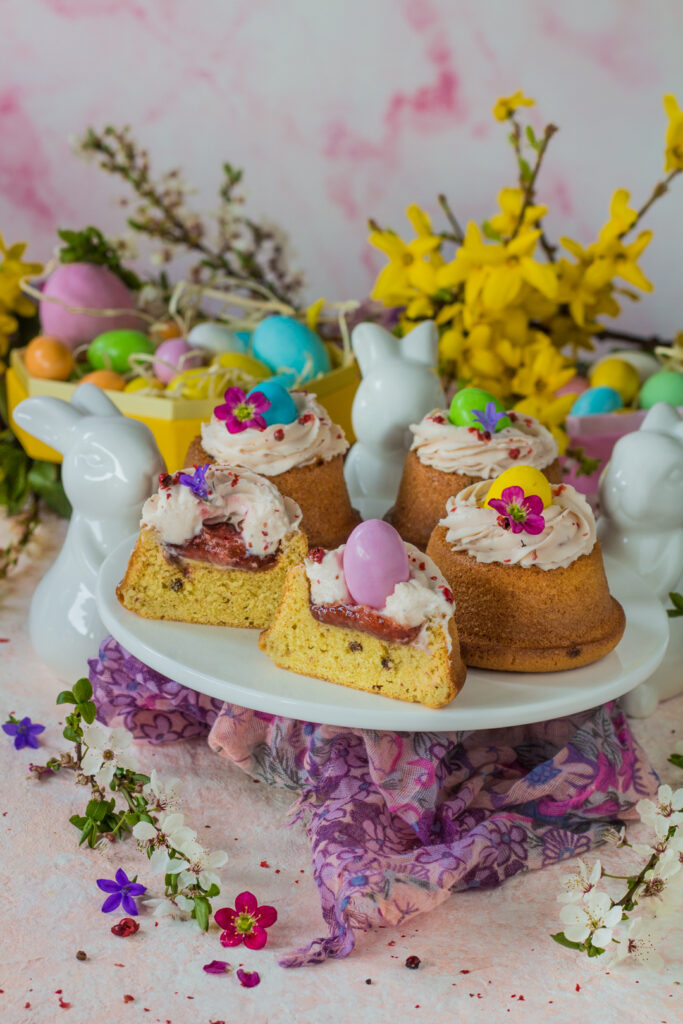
617,374
665,386
467,401
576,386
644,362
48,358
197,383
172,357
108,380
374,560
531,481
113,349
596,401
142,384
282,408
216,338
290,348
242,361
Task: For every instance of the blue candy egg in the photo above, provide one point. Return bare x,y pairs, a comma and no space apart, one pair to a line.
597,400
282,408
289,348
244,337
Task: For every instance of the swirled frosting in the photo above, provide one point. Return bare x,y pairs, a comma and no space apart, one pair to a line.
569,530
276,449
467,450
423,599
251,503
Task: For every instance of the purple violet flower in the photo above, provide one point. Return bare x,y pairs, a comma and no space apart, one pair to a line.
248,979
217,967
25,732
240,412
519,512
489,417
196,481
122,892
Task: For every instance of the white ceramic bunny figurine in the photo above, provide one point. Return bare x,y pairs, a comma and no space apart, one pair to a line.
399,387
110,467
641,524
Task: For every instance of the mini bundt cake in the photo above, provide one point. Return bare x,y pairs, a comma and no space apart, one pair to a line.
374,614
526,571
214,548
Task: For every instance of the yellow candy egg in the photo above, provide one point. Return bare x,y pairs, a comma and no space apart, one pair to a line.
141,384
193,384
240,361
529,479
48,358
617,374
108,380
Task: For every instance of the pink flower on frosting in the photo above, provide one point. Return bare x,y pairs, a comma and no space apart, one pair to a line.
241,411
247,923
519,511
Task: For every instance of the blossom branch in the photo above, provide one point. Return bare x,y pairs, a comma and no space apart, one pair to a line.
458,236
660,189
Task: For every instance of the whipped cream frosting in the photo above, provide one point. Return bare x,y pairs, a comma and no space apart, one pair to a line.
419,601
278,448
569,530
467,450
251,503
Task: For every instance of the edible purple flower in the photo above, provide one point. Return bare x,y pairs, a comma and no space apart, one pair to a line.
519,511
196,481
248,979
122,892
488,419
241,411
25,732
217,967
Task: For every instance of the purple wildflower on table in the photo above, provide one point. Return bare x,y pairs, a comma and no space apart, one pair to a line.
25,732
217,967
123,892
519,511
196,481
248,979
489,418
241,411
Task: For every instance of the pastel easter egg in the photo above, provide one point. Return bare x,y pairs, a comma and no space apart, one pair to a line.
282,408
108,380
85,285
665,386
644,362
166,330
467,401
290,348
531,481
173,356
143,384
216,338
374,561
576,386
196,383
113,349
244,362
595,401
617,374
48,358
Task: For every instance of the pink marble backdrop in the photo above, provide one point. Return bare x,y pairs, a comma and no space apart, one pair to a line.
340,110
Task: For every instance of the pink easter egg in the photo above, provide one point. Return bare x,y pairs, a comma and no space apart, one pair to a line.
375,560
85,286
168,356
576,386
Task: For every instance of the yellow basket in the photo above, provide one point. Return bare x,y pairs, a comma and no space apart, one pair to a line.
173,421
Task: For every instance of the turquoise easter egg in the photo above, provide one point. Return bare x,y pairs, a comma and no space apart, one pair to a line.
289,348
113,349
244,337
467,401
216,338
282,408
665,386
597,400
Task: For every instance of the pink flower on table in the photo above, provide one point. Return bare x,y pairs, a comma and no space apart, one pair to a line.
248,979
241,410
519,511
247,923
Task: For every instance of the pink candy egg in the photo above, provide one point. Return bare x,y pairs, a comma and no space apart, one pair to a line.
576,386
375,560
168,359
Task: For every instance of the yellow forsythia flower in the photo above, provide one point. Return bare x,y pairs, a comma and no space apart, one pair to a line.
507,105
510,201
393,286
621,216
673,153
12,269
551,413
543,370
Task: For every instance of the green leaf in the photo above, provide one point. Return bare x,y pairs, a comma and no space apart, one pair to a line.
88,712
87,831
44,478
65,697
524,170
98,809
677,759
594,950
533,141
82,690
202,910
212,891
677,602
490,232
560,938
71,734
78,820
91,246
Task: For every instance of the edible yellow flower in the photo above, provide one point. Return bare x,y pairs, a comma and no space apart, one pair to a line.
543,371
551,413
507,105
673,153
621,216
614,259
510,201
393,286
12,269
504,282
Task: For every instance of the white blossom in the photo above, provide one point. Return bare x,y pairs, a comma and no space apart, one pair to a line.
107,751
179,906
169,831
658,878
162,795
661,829
595,917
201,867
669,805
614,838
580,882
639,945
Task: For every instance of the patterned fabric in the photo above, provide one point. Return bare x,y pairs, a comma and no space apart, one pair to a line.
399,821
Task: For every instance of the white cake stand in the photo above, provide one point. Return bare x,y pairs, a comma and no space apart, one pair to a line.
227,663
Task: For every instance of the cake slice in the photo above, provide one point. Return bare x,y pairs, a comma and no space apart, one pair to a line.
404,646
214,548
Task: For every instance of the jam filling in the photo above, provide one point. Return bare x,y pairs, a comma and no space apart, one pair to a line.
221,544
365,620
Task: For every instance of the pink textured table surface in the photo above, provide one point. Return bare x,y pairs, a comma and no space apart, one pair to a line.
486,956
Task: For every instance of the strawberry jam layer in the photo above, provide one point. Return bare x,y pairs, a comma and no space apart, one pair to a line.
365,620
220,544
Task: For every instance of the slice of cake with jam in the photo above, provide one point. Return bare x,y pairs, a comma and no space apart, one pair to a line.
214,548
374,614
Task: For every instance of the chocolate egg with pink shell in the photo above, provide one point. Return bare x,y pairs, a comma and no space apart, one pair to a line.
374,560
85,286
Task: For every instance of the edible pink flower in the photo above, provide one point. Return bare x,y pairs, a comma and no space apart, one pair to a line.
241,411
217,967
248,979
247,923
519,511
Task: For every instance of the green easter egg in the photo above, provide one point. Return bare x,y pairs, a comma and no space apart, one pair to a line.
113,349
467,401
665,386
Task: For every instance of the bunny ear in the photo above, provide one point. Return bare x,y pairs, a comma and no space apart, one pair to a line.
663,419
372,344
48,419
92,401
421,344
